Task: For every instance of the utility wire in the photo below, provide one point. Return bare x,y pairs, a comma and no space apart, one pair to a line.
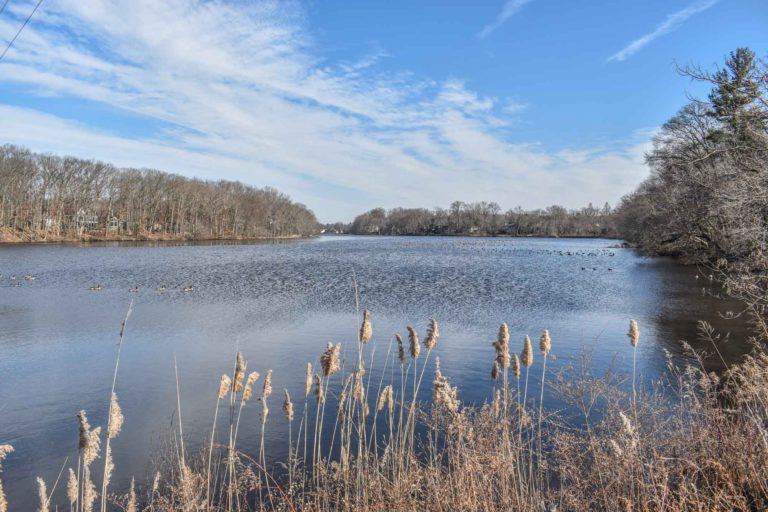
3,7
22,28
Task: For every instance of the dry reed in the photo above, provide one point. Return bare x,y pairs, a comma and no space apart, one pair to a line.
366,331
682,450
308,380
42,494
400,349
288,407
5,449
432,334
413,339
131,505
330,360
526,357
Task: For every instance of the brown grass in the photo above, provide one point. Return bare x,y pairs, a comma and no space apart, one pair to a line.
694,441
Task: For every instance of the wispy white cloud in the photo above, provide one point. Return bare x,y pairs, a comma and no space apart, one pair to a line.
240,91
510,8
671,23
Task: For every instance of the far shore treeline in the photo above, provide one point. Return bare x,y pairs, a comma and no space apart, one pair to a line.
484,218
705,201
51,198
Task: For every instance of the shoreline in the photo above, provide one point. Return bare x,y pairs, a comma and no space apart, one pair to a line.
12,240
474,235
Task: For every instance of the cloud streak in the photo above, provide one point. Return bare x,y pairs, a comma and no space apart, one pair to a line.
671,23
240,91
510,8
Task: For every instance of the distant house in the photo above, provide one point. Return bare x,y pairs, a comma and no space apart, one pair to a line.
86,220
116,225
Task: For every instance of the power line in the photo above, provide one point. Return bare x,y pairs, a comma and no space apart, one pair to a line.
3,7
22,28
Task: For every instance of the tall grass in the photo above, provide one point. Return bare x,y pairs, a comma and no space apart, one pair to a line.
692,442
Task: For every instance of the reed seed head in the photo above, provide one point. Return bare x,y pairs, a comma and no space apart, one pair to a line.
330,361
42,493
267,390
400,349
626,425
443,394
109,465
501,345
239,373
358,390
72,488
503,336
5,449
432,334
495,371
115,418
85,427
308,380
516,366
89,492
366,331
249,382
89,443
93,447
634,333
527,356
319,392
545,343
288,407
385,398
224,386
3,499
413,339
131,505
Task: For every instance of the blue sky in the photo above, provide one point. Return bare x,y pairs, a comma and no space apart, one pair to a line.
350,105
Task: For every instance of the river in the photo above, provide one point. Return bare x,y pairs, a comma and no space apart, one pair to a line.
280,303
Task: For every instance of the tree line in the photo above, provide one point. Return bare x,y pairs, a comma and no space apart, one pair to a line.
44,196
706,199
485,218
707,194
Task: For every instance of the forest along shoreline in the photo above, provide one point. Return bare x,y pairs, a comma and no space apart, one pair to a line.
10,237
46,198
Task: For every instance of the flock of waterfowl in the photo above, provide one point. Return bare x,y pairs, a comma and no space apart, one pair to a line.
588,254
602,252
16,283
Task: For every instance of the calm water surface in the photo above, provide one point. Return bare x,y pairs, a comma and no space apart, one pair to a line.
280,304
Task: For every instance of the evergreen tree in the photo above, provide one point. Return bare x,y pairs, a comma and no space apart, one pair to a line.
736,93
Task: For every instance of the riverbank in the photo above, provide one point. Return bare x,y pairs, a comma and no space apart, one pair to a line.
14,237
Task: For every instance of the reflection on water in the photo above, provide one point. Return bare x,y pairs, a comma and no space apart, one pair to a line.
280,303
